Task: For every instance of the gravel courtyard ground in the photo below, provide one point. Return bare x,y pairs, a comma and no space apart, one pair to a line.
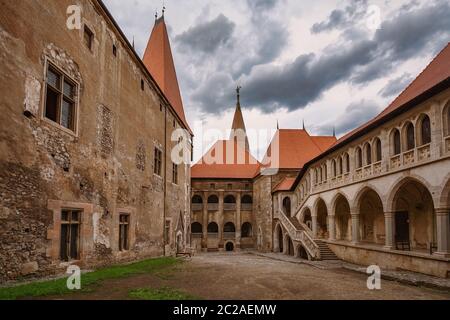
246,276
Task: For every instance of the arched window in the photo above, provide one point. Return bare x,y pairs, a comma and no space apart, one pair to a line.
334,168
368,154
325,171
410,137
229,199
316,172
320,174
425,131
447,117
196,228
197,199
396,143
340,166
246,230
359,162
287,206
213,228
247,199
213,199
378,152
347,163
229,227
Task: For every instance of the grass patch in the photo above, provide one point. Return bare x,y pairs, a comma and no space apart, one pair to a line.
164,293
59,287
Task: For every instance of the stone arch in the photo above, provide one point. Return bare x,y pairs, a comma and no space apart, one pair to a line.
321,212
229,227
213,199
306,217
358,157
367,154
423,127
196,228
302,253
371,216
446,119
395,142
197,199
247,199
444,197
246,230
213,227
229,199
398,184
287,206
289,246
229,246
409,136
377,149
278,238
341,210
415,221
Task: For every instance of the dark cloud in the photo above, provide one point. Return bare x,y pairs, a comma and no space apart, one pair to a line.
207,37
354,115
406,35
258,5
342,18
395,86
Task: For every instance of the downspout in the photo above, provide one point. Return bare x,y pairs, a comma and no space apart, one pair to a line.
165,181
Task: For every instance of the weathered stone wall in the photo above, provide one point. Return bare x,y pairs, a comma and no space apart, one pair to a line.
106,164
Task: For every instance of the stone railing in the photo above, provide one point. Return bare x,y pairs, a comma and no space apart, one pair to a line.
213,206
300,236
197,235
246,206
213,235
424,152
197,206
229,235
229,206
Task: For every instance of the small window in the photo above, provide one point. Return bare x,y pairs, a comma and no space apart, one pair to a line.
88,37
379,152
334,168
425,130
124,232
70,235
368,154
230,186
142,85
174,123
410,137
347,163
212,186
60,95
175,173
160,107
397,149
359,158
157,162
114,50
340,168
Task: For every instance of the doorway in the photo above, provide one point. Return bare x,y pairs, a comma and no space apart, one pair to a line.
402,230
229,247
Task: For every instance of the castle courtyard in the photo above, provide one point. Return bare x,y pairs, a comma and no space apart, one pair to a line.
246,276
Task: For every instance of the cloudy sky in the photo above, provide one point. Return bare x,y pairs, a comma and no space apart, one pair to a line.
329,63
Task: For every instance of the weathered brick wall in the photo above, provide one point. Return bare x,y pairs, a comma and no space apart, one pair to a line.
108,163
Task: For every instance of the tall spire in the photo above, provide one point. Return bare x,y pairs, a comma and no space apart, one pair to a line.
238,126
159,61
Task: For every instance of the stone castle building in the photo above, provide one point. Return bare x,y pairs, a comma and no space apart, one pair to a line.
86,173
85,141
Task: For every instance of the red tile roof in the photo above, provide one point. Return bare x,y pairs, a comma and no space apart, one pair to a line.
159,61
284,185
295,148
437,71
241,165
433,79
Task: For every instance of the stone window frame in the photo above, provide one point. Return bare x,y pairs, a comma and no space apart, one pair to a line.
175,174
131,212
75,133
157,161
86,237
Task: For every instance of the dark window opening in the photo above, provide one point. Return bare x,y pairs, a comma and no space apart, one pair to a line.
229,227
213,228
368,154
379,153
359,162
213,199
124,230
88,37
175,173
396,142
196,228
114,50
142,85
167,232
246,230
157,162
60,99
426,130
410,139
70,235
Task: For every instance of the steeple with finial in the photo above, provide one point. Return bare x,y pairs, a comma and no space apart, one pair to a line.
238,125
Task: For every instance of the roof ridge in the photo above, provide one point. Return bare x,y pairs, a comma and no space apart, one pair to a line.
414,81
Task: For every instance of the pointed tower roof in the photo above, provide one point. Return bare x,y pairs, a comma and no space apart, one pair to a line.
159,61
238,120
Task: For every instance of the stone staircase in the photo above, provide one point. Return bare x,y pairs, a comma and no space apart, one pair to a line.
318,249
325,251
